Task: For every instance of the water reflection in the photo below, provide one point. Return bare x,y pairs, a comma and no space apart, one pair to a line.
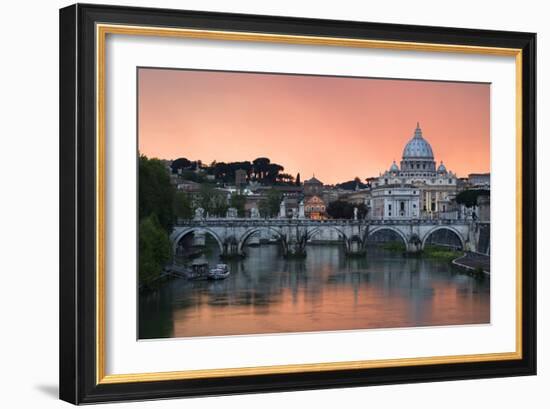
266,293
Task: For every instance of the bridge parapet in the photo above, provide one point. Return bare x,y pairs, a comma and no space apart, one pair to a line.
276,222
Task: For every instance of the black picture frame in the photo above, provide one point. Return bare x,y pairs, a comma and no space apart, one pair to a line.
78,360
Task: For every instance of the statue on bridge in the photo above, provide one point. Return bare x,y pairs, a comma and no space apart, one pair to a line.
199,213
254,213
282,210
232,213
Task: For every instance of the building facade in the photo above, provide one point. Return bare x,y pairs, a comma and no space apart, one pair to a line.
313,187
315,208
417,188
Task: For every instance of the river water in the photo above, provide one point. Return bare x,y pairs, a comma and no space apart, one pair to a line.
266,293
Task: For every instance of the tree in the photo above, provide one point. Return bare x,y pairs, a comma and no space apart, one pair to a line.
238,201
469,197
298,181
340,209
156,193
154,250
269,206
181,163
285,178
212,201
352,184
259,166
183,206
273,171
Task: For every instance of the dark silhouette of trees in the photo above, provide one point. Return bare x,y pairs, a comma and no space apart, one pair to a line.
340,209
469,197
181,163
285,178
260,167
352,184
298,181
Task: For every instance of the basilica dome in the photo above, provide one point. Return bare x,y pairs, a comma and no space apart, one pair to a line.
418,147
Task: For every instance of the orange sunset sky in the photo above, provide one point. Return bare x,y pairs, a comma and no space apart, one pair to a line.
335,127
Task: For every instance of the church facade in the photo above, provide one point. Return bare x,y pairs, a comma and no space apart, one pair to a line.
416,188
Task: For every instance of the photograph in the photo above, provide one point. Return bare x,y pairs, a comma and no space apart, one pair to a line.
288,203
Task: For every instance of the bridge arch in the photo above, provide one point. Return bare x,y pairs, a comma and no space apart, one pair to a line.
254,230
316,230
197,229
447,228
387,228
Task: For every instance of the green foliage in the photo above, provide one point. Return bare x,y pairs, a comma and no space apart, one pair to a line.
441,252
238,201
340,209
394,246
183,205
193,176
212,201
154,250
269,207
156,194
469,197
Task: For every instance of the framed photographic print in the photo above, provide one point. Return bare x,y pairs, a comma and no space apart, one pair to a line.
257,203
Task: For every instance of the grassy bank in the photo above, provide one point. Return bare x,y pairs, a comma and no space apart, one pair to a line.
394,246
440,252
430,251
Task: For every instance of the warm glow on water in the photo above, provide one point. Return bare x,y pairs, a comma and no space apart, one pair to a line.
326,291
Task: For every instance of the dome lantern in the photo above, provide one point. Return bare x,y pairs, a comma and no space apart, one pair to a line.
418,147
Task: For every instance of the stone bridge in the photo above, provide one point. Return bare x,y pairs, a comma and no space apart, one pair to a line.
232,234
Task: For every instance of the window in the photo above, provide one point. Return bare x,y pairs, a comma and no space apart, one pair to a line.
389,193
402,206
389,207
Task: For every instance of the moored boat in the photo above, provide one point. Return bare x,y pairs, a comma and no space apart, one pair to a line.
219,272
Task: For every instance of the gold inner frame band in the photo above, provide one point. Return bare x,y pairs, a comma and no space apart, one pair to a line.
101,33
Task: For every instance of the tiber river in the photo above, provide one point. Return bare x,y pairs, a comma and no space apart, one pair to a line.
266,293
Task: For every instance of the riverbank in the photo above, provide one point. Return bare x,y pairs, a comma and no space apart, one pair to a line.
474,262
429,251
